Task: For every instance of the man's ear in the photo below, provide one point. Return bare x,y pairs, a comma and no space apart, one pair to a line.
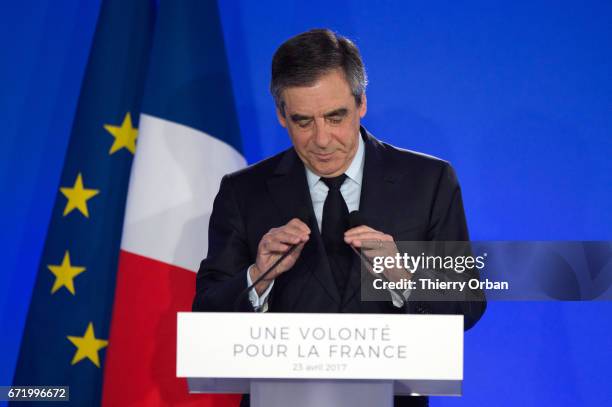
363,108
281,118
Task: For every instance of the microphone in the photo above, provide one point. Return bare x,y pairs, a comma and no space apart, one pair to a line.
355,219
301,215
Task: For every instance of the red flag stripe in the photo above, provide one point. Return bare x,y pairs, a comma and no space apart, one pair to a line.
140,367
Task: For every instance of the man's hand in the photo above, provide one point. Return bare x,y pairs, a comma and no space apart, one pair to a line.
374,243
273,245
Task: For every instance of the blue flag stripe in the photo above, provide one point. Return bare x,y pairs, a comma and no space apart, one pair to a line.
88,230
189,75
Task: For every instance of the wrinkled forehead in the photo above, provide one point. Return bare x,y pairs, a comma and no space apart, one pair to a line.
330,92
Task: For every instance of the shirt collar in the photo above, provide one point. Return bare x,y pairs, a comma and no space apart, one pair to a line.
354,171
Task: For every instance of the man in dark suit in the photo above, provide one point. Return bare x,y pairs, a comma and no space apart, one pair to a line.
303,195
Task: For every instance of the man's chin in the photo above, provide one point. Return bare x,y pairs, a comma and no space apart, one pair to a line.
327,170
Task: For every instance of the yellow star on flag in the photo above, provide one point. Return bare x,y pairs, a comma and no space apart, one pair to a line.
125,135
87,346
78,196
65,274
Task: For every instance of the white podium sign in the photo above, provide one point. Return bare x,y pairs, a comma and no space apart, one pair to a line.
320,346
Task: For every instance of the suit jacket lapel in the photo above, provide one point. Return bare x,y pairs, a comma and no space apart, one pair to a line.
289,191
376,191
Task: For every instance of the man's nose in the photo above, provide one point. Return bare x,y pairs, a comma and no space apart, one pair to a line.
322,134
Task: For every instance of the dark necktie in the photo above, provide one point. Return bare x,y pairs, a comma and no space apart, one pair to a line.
334,224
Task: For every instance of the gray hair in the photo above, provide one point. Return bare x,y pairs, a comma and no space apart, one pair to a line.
303,59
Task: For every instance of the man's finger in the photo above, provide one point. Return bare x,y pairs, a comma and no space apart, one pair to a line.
295,222
359,229
285,236
298,250
292,258
374,237
272,246
295,230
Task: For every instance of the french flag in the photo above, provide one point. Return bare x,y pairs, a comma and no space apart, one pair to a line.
188,139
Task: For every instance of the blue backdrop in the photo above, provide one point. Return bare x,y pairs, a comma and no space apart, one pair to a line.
517,95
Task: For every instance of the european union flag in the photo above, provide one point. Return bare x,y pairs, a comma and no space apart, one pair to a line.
66,332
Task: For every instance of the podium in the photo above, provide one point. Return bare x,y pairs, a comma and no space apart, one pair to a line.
301,359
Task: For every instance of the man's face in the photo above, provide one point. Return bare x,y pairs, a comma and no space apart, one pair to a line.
323,123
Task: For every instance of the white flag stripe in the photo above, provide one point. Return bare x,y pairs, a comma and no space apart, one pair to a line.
175,176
